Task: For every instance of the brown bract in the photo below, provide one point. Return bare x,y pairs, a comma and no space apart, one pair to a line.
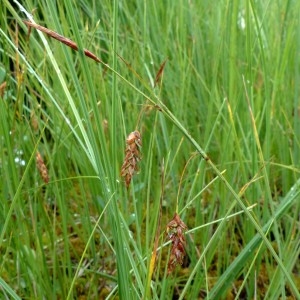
132,156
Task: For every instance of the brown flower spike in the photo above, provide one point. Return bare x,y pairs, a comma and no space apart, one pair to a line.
175,230
42,167
132,156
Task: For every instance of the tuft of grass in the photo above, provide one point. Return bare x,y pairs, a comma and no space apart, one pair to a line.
219,122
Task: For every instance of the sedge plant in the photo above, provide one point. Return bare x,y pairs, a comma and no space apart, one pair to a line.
154,154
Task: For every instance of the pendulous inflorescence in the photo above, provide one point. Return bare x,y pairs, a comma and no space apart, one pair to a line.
132,156
175,231
42,168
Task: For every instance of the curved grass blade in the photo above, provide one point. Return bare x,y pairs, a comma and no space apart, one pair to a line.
234,269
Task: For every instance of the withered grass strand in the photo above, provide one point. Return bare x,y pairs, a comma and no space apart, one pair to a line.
175,231
132,156
42,167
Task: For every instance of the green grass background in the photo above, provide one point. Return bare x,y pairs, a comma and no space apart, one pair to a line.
229,93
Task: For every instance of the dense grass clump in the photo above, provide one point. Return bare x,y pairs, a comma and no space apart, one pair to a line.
149,150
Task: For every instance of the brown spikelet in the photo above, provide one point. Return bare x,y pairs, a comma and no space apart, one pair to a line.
34,121
160,72
175,230
42,167
62,39
132,156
